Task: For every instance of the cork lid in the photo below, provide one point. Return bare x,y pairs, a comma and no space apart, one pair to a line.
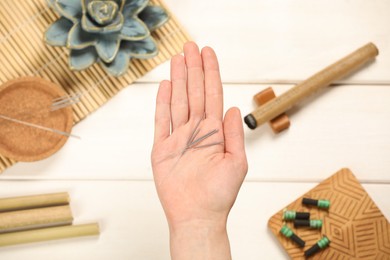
29,99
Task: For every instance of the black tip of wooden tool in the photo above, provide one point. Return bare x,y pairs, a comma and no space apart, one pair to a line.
250,121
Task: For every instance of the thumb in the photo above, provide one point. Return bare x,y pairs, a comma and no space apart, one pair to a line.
234,134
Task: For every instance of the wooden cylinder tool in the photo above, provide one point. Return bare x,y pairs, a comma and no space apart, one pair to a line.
322,79
35,218
47,234
36,201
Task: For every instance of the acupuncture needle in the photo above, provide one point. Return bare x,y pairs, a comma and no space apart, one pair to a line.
207,145
56,131
194,133
59,104
200,139
193,138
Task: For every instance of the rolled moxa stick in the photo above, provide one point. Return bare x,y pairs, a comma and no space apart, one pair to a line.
35,218
321,79
47,234
35,201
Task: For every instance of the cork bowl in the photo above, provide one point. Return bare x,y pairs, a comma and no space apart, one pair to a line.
29,99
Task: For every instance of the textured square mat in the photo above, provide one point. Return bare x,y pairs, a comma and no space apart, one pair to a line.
355,226
24,53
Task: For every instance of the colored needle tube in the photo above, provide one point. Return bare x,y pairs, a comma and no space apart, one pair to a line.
321,244
312,223
323,204
291,215
287,232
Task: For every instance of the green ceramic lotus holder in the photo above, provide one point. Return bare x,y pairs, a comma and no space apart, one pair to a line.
110,32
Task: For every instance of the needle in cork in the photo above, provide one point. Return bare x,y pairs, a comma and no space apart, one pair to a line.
52,130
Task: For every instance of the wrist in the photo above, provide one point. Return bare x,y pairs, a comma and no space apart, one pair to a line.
199,227
200,239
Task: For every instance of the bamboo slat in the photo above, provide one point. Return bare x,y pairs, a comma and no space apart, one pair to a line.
48,234
34,201
22,220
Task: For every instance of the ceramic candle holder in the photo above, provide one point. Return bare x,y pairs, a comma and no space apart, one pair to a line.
110,32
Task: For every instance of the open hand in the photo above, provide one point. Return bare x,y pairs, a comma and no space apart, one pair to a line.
198,158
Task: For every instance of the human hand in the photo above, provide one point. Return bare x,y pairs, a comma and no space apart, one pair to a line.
197,180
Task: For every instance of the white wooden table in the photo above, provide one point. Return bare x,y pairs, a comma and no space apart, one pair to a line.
259,43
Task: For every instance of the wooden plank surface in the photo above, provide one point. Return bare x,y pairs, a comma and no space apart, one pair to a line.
344,126
286,40
258,42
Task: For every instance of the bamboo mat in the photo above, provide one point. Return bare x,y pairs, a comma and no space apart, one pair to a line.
24,53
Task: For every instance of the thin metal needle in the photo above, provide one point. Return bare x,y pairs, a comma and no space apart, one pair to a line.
63,99
207,145
191,143
193,138
58,107
194,133
60,103
200,139
39,127
74,98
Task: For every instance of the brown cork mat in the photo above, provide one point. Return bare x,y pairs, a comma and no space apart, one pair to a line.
29,99
23,53
355,226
